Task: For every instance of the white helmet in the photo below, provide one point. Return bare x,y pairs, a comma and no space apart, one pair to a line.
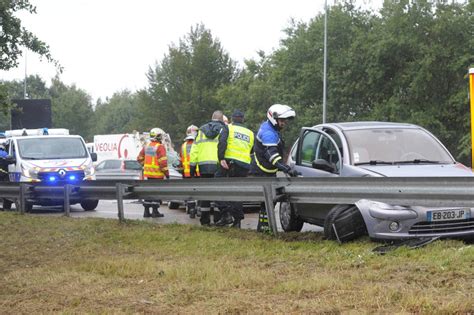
156,133
279,111
191,132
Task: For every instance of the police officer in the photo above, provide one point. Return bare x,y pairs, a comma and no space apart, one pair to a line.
234,149
204,155
269,149
155,167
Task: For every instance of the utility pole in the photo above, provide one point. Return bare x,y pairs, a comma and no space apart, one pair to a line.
325,58
24,83
471,97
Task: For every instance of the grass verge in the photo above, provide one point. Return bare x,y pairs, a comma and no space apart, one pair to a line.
65,265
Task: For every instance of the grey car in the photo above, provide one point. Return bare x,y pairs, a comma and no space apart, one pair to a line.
118,169
375,149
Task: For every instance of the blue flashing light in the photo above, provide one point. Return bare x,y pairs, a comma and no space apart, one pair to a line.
52,178
72,177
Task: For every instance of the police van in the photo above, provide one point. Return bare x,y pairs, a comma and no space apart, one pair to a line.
51,156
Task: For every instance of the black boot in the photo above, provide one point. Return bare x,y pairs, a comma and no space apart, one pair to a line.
205,218
156,213
192,210
146,213
225,219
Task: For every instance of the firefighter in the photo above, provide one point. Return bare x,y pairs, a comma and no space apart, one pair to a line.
155,167
191,134
234,149
269,150
204,156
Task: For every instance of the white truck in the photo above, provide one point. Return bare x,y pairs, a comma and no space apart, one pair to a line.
51,156
127,146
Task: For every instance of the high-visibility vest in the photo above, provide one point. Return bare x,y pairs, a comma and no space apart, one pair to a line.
186,157
204,153
156,162
239,144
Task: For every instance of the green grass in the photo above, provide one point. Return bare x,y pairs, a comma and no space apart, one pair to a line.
65,265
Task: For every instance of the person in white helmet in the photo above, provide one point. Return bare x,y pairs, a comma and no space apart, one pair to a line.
155,167
185,159
269,149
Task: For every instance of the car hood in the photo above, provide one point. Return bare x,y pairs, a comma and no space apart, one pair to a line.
57,163
411,170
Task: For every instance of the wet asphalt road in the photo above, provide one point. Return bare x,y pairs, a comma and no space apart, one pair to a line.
134,210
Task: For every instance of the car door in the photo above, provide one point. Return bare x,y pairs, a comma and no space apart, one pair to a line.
317,155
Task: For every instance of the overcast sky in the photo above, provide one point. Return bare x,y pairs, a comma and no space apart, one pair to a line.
106,46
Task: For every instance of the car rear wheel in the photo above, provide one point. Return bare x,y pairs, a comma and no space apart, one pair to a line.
290,222
173,205
89,205
344,223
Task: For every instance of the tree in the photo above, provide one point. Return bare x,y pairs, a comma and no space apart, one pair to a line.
183,86
14,36
116,115
72,108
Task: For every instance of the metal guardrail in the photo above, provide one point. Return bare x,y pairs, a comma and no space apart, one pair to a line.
427,191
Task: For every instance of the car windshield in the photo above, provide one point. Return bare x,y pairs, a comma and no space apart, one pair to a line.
49,148
132,165
392,146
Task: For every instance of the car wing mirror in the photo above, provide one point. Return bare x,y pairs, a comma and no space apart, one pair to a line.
10,159
94,157
323,165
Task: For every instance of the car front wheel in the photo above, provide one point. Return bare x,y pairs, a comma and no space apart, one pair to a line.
290,222
344,223
89,205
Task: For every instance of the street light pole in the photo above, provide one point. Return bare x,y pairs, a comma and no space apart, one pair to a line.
325,58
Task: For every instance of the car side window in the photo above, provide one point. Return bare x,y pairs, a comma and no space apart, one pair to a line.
335,137
308,148
112,164
328,152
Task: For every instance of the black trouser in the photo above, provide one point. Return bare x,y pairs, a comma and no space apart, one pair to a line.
154,203
255,171
235,208
205,206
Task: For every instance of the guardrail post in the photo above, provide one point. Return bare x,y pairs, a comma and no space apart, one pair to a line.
22,205
120,189
269,205
67,204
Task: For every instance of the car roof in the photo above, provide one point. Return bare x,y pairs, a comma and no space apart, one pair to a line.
367,125
43,136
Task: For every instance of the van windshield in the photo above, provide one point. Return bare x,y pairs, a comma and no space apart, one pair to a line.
49,148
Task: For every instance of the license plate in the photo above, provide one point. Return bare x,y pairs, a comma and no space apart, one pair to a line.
449,215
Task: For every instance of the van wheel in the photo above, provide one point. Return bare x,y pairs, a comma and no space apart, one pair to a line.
7,204
89,205
28,206
290,222
344,223
173,205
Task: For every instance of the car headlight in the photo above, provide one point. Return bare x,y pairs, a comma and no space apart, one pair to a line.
29,171
89,170
386,211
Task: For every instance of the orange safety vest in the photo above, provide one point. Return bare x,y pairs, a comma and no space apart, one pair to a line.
156,162
186,157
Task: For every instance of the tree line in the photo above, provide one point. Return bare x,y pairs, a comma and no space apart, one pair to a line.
408,62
